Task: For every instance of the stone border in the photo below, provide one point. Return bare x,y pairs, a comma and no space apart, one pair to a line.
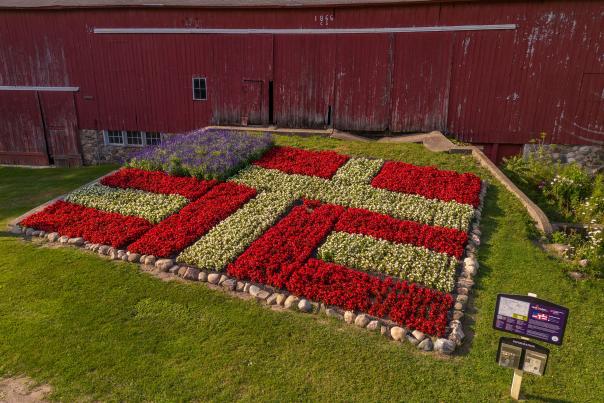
468,268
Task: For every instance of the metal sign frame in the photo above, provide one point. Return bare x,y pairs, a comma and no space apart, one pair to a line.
524,346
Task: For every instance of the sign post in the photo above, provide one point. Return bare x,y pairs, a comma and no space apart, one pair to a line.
532,317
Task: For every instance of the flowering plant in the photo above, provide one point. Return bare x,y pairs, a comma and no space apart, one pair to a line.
96,226
189,224
429,182
158,182
323,164
150,206
204,154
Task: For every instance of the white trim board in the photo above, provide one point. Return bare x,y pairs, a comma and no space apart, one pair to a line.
36,88
304,31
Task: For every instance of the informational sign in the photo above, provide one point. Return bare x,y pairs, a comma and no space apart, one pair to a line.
522,355
530,317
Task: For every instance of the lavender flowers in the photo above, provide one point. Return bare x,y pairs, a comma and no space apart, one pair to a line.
205,154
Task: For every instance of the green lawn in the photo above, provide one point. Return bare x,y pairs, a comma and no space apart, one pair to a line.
102,330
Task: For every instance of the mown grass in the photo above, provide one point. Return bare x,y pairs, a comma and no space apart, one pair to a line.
102,330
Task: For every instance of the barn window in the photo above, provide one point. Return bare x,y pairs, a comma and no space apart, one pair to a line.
134,138
153,138
114,137
199,89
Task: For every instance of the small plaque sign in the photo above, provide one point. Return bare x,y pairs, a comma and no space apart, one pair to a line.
523,355
530,317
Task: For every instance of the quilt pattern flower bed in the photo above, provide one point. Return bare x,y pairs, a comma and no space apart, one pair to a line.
379,237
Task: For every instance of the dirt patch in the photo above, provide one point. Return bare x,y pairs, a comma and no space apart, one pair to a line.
22,390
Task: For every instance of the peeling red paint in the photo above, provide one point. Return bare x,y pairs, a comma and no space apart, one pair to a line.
486,87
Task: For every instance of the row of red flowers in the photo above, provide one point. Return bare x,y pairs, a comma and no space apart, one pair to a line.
291,240
323,164
439,239
429,182
94,225
158,182
280,258
412,306
192,222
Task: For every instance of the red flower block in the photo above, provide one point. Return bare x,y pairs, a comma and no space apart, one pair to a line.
323,164
158,182
94,225
439,239
192,222
429,182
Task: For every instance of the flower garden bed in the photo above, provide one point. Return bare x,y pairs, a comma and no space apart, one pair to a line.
384,245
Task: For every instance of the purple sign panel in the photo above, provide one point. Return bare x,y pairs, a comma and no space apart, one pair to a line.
530,317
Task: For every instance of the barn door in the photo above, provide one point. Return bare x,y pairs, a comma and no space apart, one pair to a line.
251,108
60,127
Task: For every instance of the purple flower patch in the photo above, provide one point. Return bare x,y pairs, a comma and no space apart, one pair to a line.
204,153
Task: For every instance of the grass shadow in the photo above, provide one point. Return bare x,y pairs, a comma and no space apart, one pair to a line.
491,213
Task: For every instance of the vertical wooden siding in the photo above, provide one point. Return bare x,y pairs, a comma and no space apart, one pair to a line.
483,86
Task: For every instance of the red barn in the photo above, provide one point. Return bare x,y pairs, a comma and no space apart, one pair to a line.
84,79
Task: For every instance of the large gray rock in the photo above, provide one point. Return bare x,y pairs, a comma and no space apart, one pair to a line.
362,320
291,301
191,274
63,239
262,295
254,290
333,313
418,335
373,325
412,340
304,305
349,317
203,276
444,346
457,335
134,257
53,237
223,278
79,241
240,286
149,260
230,284
164,264
214,278
103,249
281,299
397,333
425,344
272,300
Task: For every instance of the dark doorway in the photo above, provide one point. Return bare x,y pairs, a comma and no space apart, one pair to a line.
270,103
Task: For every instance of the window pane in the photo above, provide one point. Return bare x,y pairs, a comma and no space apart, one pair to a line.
203,88
115,137
134,138
153,138
199,88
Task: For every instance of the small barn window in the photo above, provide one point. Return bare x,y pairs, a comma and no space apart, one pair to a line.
199,89
153,138
134,138
114,137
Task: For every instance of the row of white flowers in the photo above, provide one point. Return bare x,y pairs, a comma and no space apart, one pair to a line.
399,205
358,170
153,207
227,240
416,264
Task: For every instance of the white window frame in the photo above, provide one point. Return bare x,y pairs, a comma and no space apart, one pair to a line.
205,80
124,142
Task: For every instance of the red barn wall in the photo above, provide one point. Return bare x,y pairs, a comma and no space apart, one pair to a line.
485,87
